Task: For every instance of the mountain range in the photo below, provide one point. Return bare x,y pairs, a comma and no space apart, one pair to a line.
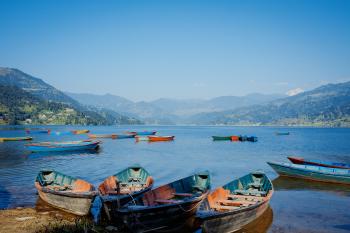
26,99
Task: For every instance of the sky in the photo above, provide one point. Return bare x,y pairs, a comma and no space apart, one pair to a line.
144,50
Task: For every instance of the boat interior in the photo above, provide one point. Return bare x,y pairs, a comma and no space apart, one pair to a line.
59,182
130,180
177,192
243,192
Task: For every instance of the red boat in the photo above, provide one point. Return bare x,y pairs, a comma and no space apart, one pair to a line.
160,138
298,160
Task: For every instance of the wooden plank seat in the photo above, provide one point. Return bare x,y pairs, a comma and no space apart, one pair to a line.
245,197
224,207
255,185
166,201
183,194
236,202
250,192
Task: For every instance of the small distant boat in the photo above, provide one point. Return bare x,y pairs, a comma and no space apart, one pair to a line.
81,131
124,186
141,138
65,192
63,146
230,207
311,172
123,136
160,138
252,139
113,136
221,138
142,133
15,139
243,138
282,133
297,160
234,138
167,205
38,131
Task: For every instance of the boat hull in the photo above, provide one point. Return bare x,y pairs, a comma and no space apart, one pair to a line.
160,138
333,175
231,221
16,139
160,217
34,148
75,205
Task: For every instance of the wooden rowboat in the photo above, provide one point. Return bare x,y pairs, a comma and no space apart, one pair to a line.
167,205
81,131
311,172
297,160
160,138
235,204
282,133
38,131
65,192
124,186
142,133
15,139
221,138
113,136
63,146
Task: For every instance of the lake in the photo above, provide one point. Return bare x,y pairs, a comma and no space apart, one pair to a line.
296,206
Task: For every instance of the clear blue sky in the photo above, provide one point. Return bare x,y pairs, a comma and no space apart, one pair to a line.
143,50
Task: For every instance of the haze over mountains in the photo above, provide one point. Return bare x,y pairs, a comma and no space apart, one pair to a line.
26,99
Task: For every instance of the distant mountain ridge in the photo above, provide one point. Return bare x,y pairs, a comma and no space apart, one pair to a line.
169,111
35,94
328,105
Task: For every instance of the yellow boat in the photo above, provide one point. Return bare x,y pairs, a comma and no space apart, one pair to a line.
15,139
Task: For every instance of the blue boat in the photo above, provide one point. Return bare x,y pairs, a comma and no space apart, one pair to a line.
142,133
63,146
311,172
297,160
123,136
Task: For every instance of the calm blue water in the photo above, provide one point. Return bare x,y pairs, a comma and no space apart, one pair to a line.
297,206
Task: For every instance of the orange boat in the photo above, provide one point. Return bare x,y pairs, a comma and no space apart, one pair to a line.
113,136
160,138
234,138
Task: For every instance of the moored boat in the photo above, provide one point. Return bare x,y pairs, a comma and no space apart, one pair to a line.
141,138
282,133
252,139
113,136
312,172
124,186
232,206
160,138
167,205
221,138
15,139
63,146
123,136
298,160
81,131
234,138
38,131
65,192
142,133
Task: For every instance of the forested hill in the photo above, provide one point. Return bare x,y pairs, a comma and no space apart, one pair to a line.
28,100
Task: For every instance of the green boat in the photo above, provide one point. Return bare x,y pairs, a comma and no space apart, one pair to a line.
221,138
65,192
232,206
123,187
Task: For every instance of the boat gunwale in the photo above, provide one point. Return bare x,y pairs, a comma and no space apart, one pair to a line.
52,145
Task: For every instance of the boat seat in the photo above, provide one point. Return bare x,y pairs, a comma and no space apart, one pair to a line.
223,207
245,197
250,192
236,203
255,185
183,194
165,201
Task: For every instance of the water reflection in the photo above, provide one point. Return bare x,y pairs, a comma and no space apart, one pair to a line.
259,225
283,183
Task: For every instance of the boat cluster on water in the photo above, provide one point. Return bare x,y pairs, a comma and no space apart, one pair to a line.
129,200
234,138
